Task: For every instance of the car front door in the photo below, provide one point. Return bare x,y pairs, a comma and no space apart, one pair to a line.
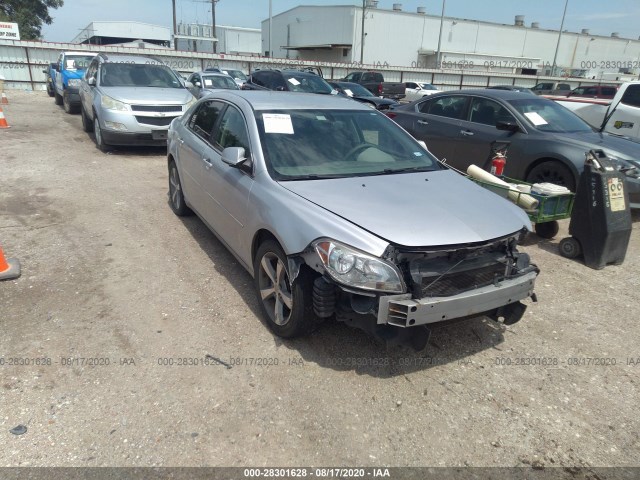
437,122
193,145
479,130
196,81
411,91
86,90
227,188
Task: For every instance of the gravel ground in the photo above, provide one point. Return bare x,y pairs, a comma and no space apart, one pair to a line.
111,276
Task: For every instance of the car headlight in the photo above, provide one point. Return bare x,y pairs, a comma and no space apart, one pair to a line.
357,269
629,167
190,102
74,82
112,104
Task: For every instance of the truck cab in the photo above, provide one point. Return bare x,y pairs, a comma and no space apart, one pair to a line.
623,115
66,75
551,88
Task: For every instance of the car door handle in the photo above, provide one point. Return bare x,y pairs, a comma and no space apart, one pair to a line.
423,122
180,140
207,162
466,133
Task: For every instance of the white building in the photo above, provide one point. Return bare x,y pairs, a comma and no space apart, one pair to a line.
400,38
230,40
111,33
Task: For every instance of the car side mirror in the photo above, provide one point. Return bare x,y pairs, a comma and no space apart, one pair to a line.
196,83
188,84
508,126
233,156
91,81
280,88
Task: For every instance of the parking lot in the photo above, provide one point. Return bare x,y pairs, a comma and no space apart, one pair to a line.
133,338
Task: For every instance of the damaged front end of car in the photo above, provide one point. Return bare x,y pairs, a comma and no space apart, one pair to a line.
397,296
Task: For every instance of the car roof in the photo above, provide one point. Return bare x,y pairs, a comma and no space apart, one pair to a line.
488,92
213,74
135,59
271,100
79,53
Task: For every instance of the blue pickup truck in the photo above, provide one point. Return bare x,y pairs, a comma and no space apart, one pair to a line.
66,75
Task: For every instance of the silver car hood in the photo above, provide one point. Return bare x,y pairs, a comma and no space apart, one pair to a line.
149,95
416,209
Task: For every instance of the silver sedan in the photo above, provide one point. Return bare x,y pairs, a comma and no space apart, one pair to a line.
339,213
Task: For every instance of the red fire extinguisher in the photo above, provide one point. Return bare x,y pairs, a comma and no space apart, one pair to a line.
497,164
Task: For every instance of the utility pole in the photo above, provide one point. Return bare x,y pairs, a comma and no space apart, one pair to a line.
270,30
175,26
440,35
213,25
362,34
555,57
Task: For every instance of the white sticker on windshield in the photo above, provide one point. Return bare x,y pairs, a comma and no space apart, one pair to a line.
417,154
320,117
293,81
348,92
71,64
207,82
277,123
535,118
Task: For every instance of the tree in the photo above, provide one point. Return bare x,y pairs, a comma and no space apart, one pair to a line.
29,15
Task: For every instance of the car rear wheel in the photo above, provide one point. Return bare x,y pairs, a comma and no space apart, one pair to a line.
97,131
176,195
552,172
287,307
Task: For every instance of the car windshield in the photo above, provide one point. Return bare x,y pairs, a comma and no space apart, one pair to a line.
237,74
136,75
219,81
313,144
356,90
307,83
77,62
548,116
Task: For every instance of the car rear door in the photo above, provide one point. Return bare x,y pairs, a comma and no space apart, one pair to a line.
479,130
193,142
227,188
437,121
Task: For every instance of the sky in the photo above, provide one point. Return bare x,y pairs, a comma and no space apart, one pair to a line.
601,17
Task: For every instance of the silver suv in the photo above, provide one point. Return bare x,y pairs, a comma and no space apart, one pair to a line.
131,100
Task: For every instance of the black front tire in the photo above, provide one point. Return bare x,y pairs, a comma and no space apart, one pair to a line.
570,247
552,172
57,98
274,291
97,131
50,89
176,193
67,105
547,229
87,124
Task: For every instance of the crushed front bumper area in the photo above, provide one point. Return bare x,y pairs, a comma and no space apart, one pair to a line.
404,311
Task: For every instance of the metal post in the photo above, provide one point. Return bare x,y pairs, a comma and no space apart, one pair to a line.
555,57
213,25
362,33
440,35
270,29
175,26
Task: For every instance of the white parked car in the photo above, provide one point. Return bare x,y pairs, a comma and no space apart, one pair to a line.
417,90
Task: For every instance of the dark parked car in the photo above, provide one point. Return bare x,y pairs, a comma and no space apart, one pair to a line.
594,91
551,88
338,213
288,81
513,88
548,141
361,94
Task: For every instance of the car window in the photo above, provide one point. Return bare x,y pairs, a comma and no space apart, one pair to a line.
564,86
579,91
548,116
411,85
204,119
488,112
92,70
543,86
275,81
232,131
78,62
193,78
353,77
218,81
631,96
306,82
449,106
609,91
302,144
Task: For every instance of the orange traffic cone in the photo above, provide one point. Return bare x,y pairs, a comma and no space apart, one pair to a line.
9,268
4,100
3,121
